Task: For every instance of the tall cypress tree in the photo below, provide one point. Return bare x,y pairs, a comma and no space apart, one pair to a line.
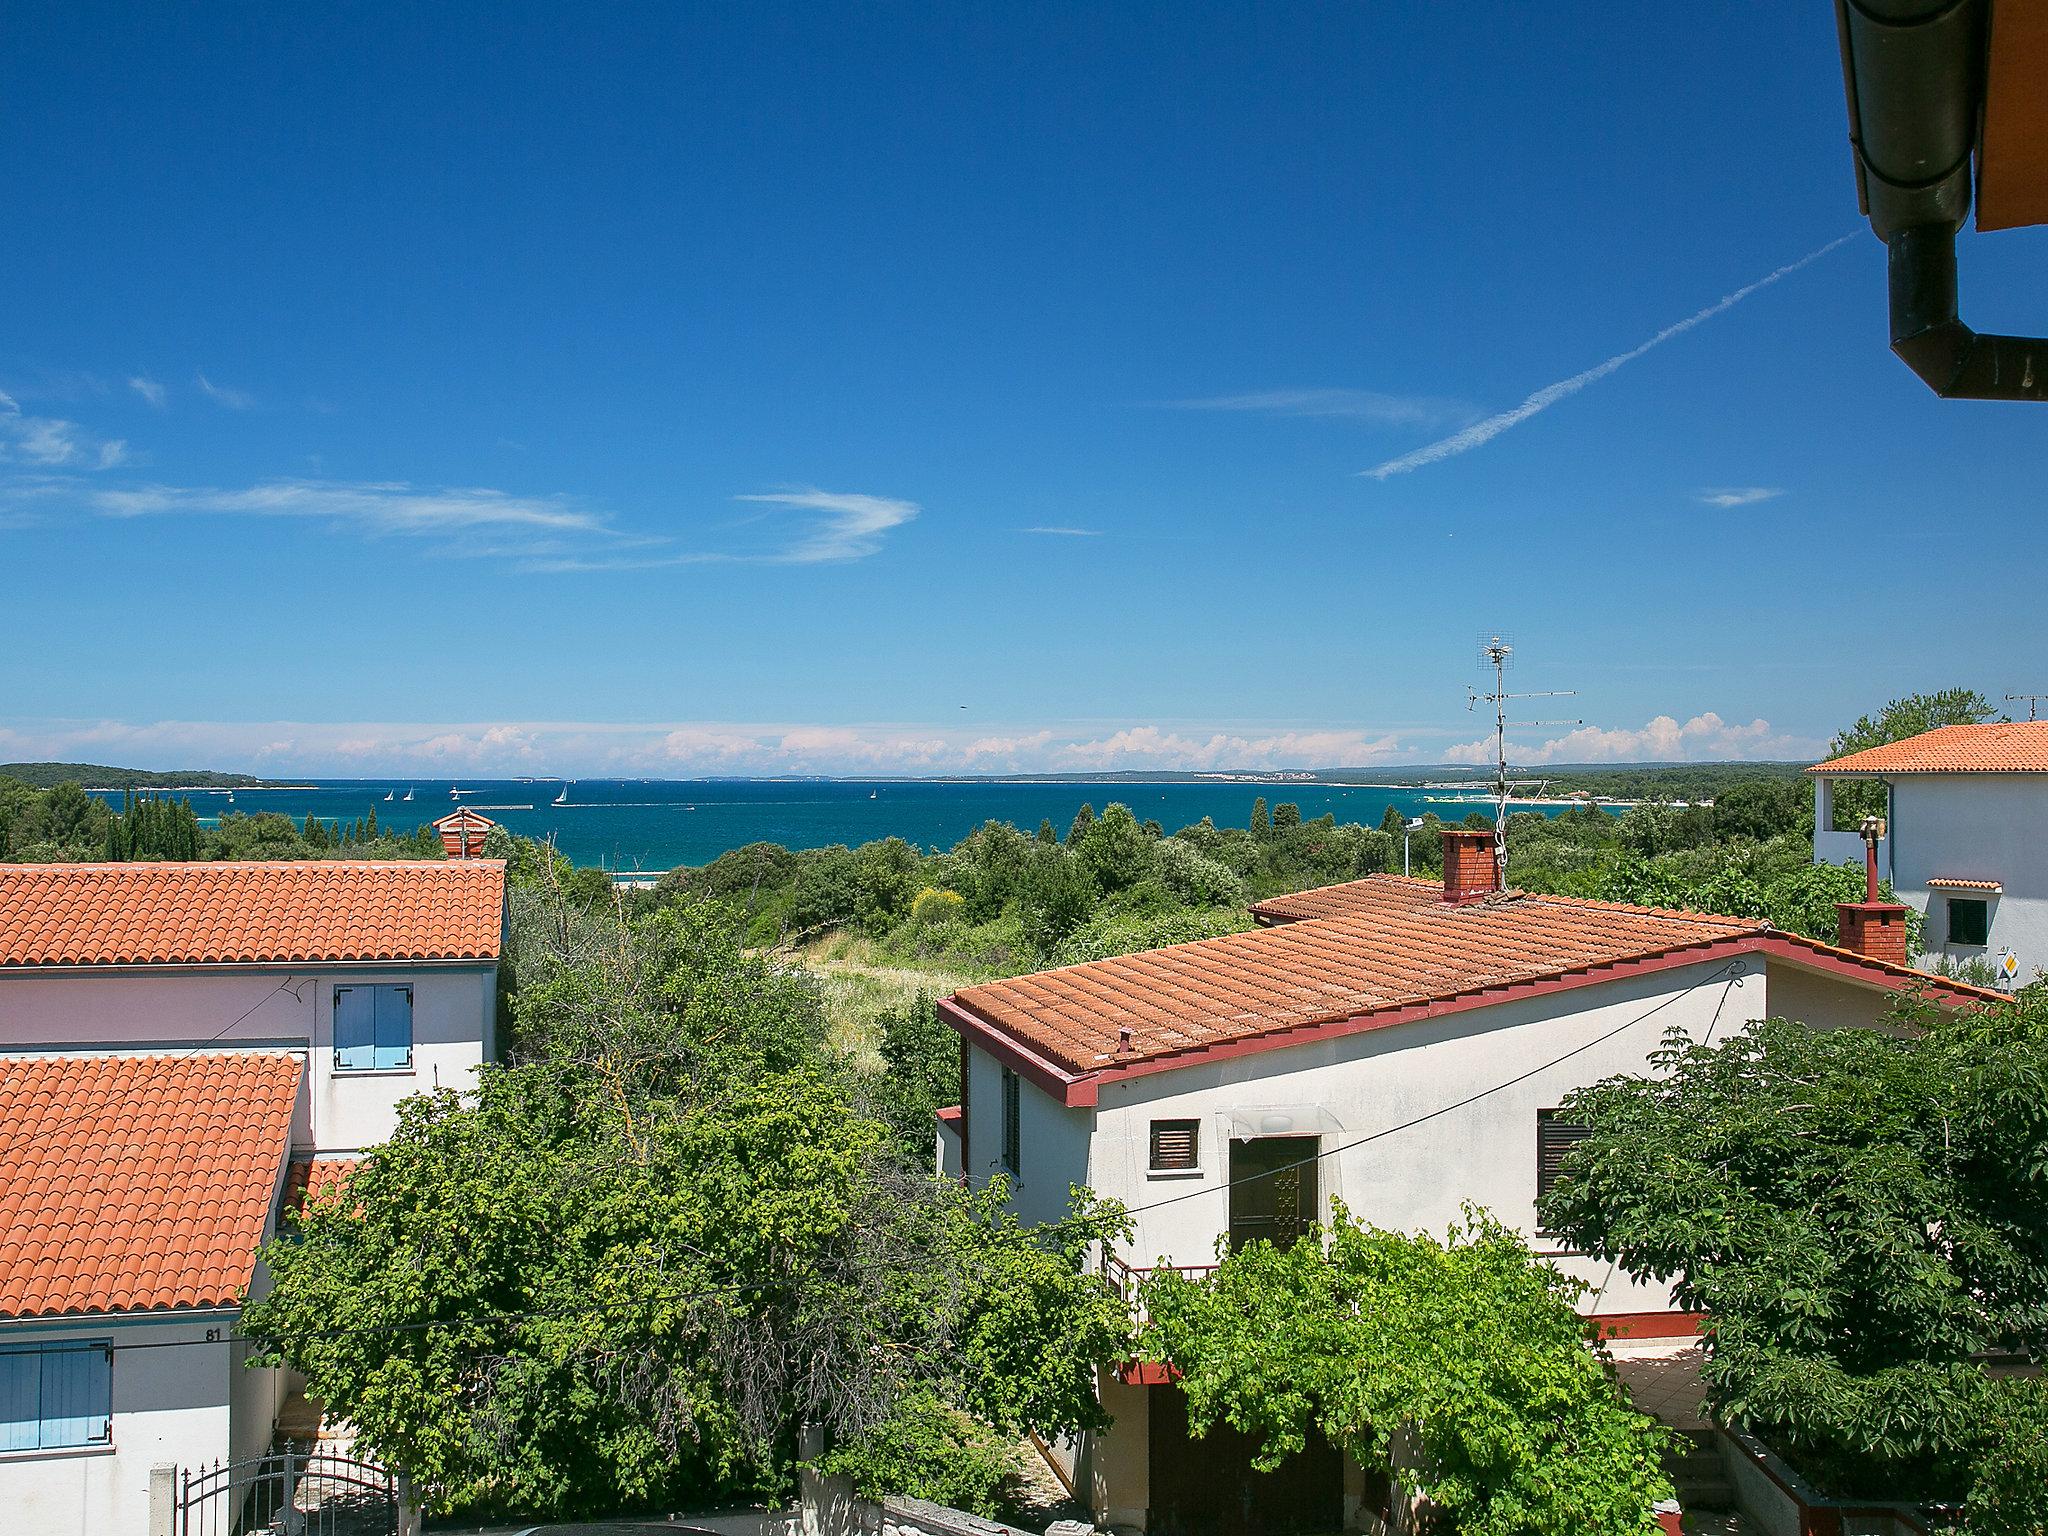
1262,819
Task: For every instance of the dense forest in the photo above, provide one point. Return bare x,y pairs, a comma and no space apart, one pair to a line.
99,776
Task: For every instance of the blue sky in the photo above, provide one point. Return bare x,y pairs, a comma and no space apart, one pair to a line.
684,389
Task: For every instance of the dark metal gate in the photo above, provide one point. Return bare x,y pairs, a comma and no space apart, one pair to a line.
290,1493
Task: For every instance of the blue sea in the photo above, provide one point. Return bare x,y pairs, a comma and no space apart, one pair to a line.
637,824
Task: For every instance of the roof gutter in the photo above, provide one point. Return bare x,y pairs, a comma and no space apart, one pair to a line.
1913,72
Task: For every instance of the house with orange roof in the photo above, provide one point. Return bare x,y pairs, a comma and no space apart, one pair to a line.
382,974
1398,1044
186,1048
1962,842
135,1190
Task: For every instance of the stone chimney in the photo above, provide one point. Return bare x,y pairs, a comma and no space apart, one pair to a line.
1870,926
1470,872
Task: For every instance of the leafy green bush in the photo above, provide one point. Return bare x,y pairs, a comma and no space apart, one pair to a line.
1468,1344
1109,934
1195,879
932,906
927,1449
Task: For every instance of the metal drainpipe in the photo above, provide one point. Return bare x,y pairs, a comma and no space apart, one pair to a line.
1913,73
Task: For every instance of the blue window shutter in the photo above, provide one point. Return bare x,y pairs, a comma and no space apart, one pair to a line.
78,1393
394,1026
355,1028
21,1394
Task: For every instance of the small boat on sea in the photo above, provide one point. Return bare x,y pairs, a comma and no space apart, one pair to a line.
563,797
390,794
408,791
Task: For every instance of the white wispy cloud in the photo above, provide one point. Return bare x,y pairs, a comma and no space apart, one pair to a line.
222,394
50,442
1343,404
1483,432
149,389
845,525
1064,533
1740,495
390,507
1703,738
678,749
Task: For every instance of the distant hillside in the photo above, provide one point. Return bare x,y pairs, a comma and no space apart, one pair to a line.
99,776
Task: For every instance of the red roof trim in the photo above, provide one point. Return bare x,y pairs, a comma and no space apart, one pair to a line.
1081,1091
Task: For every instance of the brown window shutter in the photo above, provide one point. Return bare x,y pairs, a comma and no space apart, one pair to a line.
1554,1138
1176,1145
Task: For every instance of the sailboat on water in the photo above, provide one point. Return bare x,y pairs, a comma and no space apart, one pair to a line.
408,791
563,797
390,794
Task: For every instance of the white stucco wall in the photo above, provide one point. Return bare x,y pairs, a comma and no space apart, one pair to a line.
1351,1087
170,1405
1052,1138
454,1012
1976,827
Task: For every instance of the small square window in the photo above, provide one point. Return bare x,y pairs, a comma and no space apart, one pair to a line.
372,1029
1969,922
1176,1145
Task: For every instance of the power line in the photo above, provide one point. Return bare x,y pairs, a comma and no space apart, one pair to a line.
1730,971
184,1054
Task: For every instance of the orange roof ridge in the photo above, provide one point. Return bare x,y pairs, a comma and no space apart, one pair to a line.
245,912
2000,746
1377,948
138,1183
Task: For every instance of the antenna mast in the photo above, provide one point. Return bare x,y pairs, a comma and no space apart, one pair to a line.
2033,701
1495,652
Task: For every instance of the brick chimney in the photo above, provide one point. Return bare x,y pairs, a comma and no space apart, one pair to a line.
1870,926
1469,868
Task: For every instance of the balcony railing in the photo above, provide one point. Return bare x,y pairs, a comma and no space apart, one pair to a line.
1127,1279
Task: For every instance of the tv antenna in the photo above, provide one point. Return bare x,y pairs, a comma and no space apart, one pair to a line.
1495,652
2033,701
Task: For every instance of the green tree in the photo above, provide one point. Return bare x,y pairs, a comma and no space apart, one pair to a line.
1286,814
1084,818
1046,831
623,1270
1116,851
1262,820
1056,897
1392,822
1901,718
1468,1344
1864,1212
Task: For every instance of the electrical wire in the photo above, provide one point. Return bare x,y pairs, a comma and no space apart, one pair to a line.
1729,971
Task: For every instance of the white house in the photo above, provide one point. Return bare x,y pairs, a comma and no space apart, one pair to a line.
183,1047
134,1192
1395,1043
384,975
1966,837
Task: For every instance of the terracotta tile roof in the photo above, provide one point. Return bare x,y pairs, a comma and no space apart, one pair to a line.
1944,883
136,1182
2014,746
285,912
307,1178
1380,943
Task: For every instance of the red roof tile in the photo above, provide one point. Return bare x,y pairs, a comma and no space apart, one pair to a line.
2012,746
310,1178
1377,945
237,913
136,1182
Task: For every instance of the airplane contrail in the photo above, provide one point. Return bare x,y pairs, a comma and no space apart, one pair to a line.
1486,431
